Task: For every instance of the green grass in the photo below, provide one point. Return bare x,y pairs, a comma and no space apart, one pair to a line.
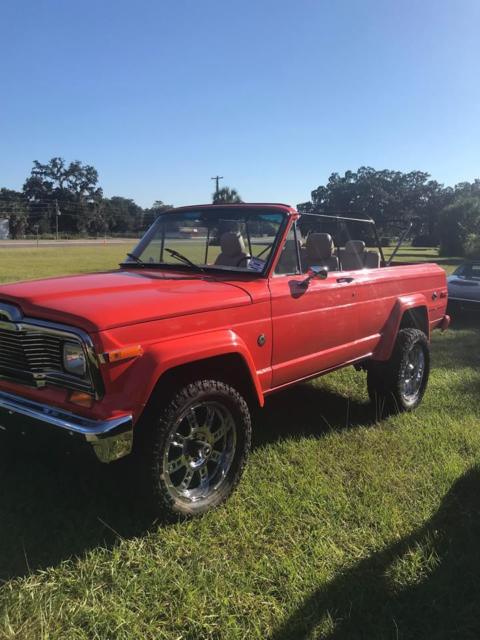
344,525
422,254
42,262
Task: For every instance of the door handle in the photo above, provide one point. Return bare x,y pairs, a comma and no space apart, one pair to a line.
345,279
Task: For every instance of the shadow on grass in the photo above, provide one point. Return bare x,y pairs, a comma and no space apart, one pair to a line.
466,317
306,410
57,503
452,261
364,602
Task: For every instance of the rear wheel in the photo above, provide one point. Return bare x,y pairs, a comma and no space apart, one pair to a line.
399,384
199,447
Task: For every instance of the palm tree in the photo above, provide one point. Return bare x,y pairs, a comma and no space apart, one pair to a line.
226,196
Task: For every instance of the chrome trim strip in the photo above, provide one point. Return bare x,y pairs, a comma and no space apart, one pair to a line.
469,300
111,439
10,312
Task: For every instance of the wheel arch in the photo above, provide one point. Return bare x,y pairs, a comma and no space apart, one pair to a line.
409,312
230,367
415,318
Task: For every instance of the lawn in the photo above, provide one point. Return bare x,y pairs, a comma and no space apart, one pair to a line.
30,263
344,525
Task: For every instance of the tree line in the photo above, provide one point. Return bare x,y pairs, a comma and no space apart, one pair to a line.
69,194
448,217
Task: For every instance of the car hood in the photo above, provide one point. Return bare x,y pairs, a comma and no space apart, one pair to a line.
100,301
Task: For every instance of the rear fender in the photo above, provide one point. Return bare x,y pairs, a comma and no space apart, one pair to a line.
399,317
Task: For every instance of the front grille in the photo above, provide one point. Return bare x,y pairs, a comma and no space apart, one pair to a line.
35,357
30,351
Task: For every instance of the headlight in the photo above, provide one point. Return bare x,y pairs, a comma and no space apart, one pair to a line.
74,359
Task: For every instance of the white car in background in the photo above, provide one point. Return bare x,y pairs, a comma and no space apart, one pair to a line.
464,284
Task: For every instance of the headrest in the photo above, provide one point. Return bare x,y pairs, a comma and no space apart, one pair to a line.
232,244
355,246
319,246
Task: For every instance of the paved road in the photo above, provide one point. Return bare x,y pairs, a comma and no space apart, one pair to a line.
21,244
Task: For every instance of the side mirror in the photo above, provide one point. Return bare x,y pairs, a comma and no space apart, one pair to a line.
315,272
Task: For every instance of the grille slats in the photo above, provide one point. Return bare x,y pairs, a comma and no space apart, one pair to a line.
26,353
29,350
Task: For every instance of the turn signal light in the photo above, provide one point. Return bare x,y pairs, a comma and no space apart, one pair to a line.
122,354
81,398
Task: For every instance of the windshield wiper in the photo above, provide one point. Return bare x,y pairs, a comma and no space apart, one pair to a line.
182,258
136,258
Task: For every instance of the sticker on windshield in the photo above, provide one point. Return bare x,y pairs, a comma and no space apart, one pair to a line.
256,264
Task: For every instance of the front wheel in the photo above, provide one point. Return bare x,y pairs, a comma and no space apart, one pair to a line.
199,448
399,384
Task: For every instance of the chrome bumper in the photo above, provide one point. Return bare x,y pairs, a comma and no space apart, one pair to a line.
110,439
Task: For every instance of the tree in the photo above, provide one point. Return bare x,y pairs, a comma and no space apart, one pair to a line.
57,178
13,206
226,196
386,196
120,215
71,189
150,215
460,226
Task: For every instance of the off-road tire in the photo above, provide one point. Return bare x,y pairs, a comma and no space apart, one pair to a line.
386,380
194,395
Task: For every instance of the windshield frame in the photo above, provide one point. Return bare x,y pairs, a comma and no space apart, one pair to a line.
205,269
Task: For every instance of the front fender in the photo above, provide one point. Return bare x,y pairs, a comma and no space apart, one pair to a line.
164,356
132,382
390,330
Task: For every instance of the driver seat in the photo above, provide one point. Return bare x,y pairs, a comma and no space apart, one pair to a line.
233,252
319,251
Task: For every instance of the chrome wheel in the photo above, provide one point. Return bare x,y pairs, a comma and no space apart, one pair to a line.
199,451
413,373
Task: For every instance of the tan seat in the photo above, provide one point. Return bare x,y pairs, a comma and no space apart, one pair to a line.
287,263
372,259
353,256
319,251
233,252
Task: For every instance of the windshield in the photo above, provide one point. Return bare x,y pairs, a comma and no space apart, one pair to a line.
468,271
223,238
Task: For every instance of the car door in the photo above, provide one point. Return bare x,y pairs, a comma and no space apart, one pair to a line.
315,327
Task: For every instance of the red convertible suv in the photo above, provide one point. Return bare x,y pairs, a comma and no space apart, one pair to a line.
217,307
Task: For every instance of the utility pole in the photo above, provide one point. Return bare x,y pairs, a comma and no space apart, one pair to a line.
57,213
217,178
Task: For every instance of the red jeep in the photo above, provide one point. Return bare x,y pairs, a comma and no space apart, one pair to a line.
217,307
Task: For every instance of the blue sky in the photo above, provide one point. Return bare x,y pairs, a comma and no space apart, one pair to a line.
160,96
